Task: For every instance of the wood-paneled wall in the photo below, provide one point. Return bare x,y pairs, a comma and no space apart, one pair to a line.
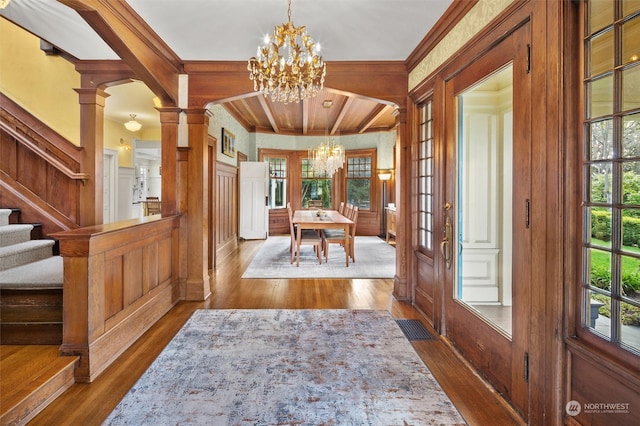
119,279
39,170
226,213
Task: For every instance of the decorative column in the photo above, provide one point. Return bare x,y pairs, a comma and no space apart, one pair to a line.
401,290
169,120
92,102
198,285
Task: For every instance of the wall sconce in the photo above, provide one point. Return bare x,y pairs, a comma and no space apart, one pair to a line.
384,175
125,146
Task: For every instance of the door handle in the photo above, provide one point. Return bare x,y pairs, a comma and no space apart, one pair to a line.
445,244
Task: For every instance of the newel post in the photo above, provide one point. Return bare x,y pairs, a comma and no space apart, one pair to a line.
92,102
198,283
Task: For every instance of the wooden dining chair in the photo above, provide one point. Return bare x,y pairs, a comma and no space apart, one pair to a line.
314,204
348,209
341,208
308,237
336,236
153,205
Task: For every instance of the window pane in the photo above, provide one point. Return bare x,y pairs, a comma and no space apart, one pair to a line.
631,230
631,88
316,189
599,311
601,53
601,183
359,167
631,135
600,227
600,275
277,182
631,40
631,184
602,140
358,193
600,97
600,15
630,6
629,306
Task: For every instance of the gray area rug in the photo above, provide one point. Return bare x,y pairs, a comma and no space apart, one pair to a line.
374,259
276,367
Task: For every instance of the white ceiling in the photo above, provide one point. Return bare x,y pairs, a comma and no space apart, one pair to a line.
353,30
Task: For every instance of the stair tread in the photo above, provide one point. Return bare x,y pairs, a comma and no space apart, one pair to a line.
21,381
45,273
15,234
15,226
25,246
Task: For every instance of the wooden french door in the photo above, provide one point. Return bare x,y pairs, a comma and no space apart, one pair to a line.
486,232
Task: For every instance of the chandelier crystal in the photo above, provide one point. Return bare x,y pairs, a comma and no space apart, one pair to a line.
327,157
288,66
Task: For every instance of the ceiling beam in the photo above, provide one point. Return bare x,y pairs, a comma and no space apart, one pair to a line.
341,115
269,113
135,42
375,115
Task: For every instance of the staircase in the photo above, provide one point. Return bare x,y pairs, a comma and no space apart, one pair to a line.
31,279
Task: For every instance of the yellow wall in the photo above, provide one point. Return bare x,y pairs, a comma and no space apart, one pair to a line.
41,84
114,131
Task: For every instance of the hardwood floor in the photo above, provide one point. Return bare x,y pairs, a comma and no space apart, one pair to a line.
89,404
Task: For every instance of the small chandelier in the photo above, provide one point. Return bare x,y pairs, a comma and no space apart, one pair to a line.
327,157
132,125
288,66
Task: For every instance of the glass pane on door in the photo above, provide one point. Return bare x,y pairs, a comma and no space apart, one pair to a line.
484,191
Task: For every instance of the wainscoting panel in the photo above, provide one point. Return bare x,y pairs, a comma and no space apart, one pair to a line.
226,220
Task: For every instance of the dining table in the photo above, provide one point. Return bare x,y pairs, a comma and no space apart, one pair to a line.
322,219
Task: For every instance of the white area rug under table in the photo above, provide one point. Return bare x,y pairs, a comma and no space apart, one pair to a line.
282,367
374,259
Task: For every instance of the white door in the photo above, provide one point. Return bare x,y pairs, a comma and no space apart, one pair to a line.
109,189
254,200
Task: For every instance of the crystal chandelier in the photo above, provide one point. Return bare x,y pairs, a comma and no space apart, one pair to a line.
288,66
327,157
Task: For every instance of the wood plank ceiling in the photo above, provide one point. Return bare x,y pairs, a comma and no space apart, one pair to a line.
347,114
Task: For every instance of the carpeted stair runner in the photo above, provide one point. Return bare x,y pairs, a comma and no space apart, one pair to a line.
31,280
23,260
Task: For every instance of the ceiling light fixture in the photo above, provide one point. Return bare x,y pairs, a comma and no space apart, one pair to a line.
328,157
288,66
4,3
132,125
